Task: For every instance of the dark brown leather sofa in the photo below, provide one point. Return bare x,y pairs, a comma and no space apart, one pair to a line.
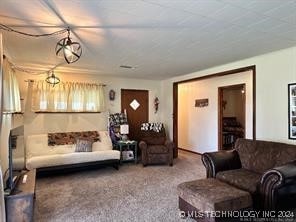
156,148
267,170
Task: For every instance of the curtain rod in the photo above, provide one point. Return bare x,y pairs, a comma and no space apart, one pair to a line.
100,84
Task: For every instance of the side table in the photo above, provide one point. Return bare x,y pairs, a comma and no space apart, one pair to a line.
128,145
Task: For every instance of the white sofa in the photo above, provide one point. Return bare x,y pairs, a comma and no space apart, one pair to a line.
40,156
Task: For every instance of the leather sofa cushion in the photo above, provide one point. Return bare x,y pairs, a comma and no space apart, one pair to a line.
153,149
260,156
240,178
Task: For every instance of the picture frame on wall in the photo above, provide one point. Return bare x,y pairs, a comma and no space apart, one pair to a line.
201,102
292,110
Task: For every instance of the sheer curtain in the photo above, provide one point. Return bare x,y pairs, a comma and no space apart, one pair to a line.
2,205
94,93
68,97
11,93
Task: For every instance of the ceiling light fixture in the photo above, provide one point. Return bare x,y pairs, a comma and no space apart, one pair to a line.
52,79
70,51
65,48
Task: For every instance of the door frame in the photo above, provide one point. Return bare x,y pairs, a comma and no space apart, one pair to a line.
251,68
220,111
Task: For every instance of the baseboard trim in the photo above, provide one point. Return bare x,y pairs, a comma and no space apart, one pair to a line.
189,151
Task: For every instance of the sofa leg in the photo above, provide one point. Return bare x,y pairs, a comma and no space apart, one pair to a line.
116,166
171,164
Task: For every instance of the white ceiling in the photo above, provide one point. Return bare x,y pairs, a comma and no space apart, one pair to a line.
161,38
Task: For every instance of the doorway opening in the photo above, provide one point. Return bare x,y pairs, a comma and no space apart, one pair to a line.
204,136
231,115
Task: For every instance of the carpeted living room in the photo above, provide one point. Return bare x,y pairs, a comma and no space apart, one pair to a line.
133,193
147,110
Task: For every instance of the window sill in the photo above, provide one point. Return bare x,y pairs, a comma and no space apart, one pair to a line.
12,113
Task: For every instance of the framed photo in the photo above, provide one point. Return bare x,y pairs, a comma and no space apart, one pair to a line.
201,102
292,110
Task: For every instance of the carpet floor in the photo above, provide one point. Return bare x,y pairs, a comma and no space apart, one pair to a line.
133,193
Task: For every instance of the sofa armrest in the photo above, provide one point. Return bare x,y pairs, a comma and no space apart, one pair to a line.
220,161
274,179
170,145
143,148
142,145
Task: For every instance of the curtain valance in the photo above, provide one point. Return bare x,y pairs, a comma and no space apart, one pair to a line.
67,97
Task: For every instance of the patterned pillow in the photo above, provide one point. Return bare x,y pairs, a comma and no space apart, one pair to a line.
117,119
66,138
83,145
157,127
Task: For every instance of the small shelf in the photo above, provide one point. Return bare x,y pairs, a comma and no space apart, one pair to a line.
130,145
126,161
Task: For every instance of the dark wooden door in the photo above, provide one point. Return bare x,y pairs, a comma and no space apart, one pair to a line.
135,102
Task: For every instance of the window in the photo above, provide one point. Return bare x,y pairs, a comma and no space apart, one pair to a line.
67,97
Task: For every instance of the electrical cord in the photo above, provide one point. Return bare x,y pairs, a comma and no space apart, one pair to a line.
7,28
13,66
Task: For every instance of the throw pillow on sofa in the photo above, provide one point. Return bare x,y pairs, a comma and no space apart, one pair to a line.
83,145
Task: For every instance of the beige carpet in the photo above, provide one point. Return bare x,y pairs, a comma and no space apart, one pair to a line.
132,193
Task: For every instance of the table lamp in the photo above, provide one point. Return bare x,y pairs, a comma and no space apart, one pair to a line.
124,130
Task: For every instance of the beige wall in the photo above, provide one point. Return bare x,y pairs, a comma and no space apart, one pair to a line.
198,126
42,123
273,73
